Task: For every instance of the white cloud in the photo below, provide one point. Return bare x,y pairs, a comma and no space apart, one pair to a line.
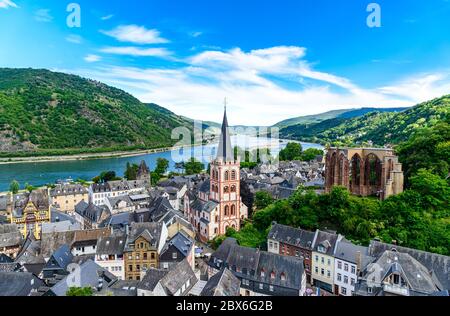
251,81
72,38
5,4
43,15
92,58
107,17
196,34
137,51
136,34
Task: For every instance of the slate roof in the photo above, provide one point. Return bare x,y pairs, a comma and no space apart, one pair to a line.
5,259
202,206
349,252
439,265
68,189
181,242
59,227
90,211
205,186
159,207
150,231
171,280
250,262
10,235
30,253
112,245
39,198
326,239
293,236
57,216
225,151
88,274
62,256
18,283
223,283
415,274
115,200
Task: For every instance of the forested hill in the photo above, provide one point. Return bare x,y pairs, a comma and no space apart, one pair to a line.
44,111
377,127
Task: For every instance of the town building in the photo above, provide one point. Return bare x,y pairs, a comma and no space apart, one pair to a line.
177,281
109,254
180,247
323,251
349,260
99,192
90,215
11,240
30,211
290,241
143,247
223,283
143,173
19,284
65,196
218,205
261,273
364,171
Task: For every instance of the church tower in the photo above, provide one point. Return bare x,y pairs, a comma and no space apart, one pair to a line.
225,183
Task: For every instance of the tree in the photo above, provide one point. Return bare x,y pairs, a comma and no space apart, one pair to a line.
29,187
262,200
162,165
14,187
131,171
79,291
105,176
292,151
310,154
193,166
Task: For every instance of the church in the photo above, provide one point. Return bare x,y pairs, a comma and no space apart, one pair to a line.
218,204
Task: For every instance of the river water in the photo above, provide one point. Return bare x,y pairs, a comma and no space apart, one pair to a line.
41,173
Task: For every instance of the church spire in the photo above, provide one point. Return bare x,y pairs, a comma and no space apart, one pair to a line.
225,151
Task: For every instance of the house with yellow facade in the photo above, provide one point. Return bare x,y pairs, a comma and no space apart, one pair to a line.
143,247
65,197
30,210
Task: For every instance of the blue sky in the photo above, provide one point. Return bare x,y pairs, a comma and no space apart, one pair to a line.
271,59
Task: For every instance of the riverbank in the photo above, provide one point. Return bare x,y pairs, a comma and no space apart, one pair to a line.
88,156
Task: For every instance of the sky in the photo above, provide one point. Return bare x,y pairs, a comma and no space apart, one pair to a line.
272,60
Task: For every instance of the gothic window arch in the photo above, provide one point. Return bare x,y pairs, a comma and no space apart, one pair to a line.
227,210
226,189
233,188
233,209
227,175
233,175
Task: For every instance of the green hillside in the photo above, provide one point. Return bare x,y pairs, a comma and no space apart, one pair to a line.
348,113
44,112
377,127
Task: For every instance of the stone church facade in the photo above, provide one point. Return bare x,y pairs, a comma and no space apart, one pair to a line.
364,171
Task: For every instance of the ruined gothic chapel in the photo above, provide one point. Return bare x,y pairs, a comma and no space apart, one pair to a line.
364,171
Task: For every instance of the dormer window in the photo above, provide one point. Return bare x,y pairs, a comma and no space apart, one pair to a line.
283,276
321,248
263,273
272,275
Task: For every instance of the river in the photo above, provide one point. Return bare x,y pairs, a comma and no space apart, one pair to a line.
41,173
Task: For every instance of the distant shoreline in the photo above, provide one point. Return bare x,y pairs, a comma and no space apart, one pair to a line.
88,156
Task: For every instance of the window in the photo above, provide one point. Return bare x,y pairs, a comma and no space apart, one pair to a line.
145,256
174,255
322,271
233,188
316,270
130,268
339,277
226,175
233,175
339,264
328,274
317,258
152,255
329,262
233,209
353,270
227,208
270,245
323,260
138,267
263,273
272,275
271,288
345,266
261,286
369,290
297,254
283,276
344,290
345,279
352,281
226,190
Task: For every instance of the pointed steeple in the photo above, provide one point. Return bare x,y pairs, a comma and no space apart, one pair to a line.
225,151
